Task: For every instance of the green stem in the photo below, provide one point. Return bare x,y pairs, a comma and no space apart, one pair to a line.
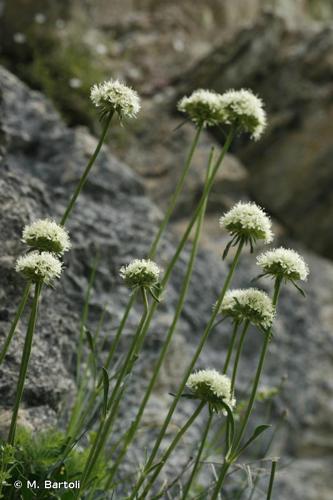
166,344
238,354
190,368
120,330
271,480
25,361
115,398
145,301
16,319
198,457
170,449
207,188
259,371
84,319
176,194
231,347
75,424
264,454
223,473
86,172
251,401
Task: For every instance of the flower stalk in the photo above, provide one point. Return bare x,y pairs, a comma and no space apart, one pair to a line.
175,196
25,361
16,319
170,449
231,346
87,170
115,398
189,369
233,451
195,467
238,354
182,297
271,480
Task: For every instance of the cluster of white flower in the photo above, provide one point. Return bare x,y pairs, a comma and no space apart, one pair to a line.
239,108
45,234
249,222
141,273
284,263
249,304
203,107
245,111
39,266
114,96
212,387
49,241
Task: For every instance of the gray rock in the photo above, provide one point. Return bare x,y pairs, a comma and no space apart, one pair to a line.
290,169
41,161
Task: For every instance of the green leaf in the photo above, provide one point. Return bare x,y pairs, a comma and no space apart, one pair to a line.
91,341
226,250
231,425
105,390
257,432
298,288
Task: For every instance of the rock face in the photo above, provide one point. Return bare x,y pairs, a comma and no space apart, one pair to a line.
41,161
290,170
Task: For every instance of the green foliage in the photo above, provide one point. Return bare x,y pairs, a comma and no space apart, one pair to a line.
49,60
6,464
41,456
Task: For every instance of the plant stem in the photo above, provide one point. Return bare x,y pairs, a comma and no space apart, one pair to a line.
238,354
198,457
259,371
207,188
115,398
231,346
84,319
120,330
170,449
76,424
248,412
223,473
271,480
190,367
25,361
16,319
256,481
85,174
176,194
166,344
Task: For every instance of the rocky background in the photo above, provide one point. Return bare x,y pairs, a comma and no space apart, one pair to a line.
282,50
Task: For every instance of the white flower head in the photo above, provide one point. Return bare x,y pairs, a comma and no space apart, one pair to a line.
249,304
47,235
39,267
247,222
212,387
283,263
245,111
203,107
114,96
141,273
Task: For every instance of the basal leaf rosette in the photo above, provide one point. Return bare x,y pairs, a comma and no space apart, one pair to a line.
212,387
46,235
